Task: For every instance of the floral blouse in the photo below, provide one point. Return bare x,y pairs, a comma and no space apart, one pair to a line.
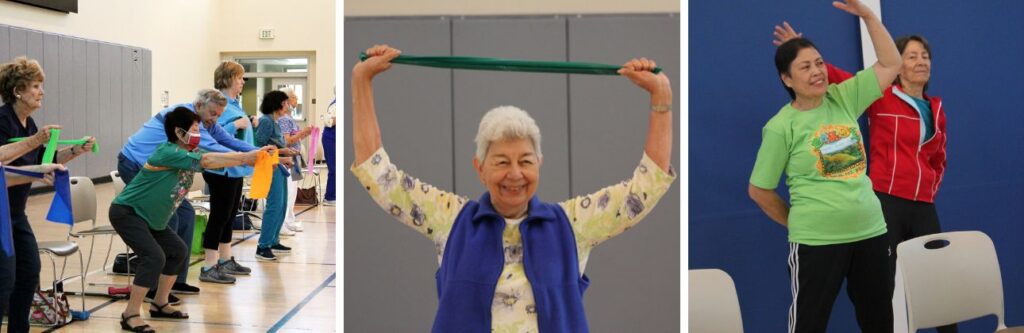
595,218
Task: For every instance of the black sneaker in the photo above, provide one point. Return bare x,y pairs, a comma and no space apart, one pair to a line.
278,248
151,296
184,289
265,254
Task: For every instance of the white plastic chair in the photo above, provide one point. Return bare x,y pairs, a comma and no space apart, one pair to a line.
954,283
714,306
115,177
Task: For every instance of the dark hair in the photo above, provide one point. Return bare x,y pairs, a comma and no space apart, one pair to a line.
784,56
901,44
272,101
182,118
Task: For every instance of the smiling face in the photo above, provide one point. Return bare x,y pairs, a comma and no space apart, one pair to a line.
807,74
917,64
510,172
209,113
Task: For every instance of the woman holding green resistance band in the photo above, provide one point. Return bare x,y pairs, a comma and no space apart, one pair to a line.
508,261
21,87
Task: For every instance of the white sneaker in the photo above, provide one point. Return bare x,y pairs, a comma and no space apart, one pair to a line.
296,227
329,203
287,232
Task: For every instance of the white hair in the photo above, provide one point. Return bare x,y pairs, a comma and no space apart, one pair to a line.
289,91
503,123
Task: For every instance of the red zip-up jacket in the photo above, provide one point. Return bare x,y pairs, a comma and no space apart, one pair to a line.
900,164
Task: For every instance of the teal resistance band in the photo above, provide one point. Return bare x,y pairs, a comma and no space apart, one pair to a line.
508,65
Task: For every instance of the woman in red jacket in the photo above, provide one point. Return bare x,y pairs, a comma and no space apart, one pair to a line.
907,143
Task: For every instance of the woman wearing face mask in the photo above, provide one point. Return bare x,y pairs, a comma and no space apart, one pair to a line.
21,87
908,143
293,138
539,250
140,213
836,227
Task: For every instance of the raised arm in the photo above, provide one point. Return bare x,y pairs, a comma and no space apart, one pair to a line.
659,129
221,160
785,32
365,130
889,60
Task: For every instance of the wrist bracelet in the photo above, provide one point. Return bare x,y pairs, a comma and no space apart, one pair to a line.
661,108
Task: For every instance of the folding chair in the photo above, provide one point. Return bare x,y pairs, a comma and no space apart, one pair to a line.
952,283
714,306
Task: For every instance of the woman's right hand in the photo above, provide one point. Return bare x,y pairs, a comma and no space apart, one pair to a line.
43,135
46,169
378,61
785,33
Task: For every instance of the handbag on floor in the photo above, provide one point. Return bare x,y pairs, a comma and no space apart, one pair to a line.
306,196
50,307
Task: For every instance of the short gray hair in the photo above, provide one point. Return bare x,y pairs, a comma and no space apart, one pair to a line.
506,122
290,92
210,96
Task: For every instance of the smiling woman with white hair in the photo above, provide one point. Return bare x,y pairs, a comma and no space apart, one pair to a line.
510,262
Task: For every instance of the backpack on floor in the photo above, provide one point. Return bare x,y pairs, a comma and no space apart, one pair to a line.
124,261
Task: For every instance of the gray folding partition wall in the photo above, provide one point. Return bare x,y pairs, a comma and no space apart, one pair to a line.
593,131
92,88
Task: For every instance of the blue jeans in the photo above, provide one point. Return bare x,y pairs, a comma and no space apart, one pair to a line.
183,221
273,214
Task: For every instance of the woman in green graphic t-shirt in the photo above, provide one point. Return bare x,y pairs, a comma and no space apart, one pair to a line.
836,228
140,213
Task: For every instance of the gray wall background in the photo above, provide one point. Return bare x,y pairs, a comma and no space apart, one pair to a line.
92,88
593,128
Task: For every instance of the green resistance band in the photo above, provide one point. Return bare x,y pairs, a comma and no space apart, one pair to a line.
508,65
51,147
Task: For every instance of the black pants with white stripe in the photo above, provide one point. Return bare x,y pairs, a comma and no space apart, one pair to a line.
817,274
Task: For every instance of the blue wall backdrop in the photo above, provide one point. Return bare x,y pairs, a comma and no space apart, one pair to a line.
978,63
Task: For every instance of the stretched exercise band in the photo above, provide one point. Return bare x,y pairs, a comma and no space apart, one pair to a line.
51,146
60,207
508,65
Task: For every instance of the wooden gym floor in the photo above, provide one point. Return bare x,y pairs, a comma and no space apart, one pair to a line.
294,294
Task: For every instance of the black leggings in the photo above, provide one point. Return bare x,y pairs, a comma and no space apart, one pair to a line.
225,197
160,251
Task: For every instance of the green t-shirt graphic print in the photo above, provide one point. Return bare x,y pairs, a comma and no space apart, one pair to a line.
822,153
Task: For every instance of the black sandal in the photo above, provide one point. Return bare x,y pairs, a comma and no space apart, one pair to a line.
139,329
159,312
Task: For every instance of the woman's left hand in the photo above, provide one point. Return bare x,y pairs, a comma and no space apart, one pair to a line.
854,7
639,71
89,143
